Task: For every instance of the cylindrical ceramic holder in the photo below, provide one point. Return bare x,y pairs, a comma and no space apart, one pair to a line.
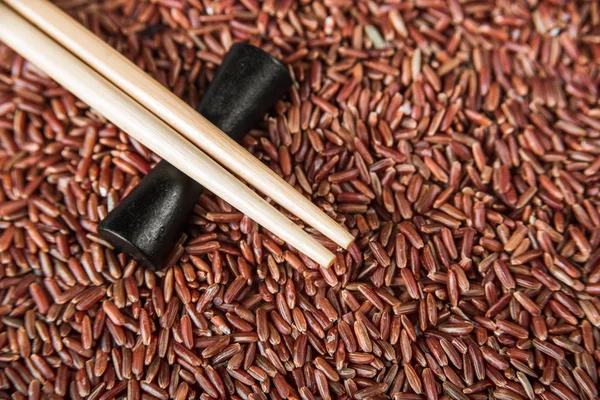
147,223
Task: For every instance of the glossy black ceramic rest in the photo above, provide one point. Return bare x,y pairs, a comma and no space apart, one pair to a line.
147,223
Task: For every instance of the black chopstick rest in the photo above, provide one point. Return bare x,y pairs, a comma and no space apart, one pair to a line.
147,223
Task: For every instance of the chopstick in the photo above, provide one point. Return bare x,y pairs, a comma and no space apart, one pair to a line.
141,124
175,112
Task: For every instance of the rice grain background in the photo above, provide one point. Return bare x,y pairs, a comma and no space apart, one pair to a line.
459,141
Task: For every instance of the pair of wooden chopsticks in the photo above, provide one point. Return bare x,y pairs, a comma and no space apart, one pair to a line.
144,109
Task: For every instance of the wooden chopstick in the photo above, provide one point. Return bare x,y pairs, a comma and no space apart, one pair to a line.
175,112
141,124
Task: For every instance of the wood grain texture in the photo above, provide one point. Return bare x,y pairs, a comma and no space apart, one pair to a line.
176,113
141,124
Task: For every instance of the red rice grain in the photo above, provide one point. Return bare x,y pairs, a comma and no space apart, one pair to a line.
459,145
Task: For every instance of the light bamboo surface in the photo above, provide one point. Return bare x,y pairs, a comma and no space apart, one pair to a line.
141,124
175,112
